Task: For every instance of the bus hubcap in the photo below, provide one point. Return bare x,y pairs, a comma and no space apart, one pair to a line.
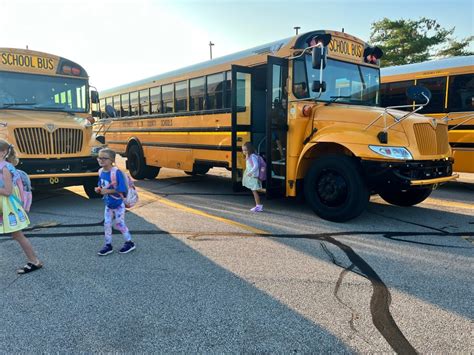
332,189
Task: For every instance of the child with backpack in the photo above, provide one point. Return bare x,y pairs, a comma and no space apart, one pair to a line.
252,178
113,186
13,217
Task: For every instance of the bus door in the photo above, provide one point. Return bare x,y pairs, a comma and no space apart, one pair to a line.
276,125
241,119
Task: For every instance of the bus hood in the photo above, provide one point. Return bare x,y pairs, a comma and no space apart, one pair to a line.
365,115
25,118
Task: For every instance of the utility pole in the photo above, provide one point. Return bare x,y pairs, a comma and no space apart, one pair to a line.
296,29
210,48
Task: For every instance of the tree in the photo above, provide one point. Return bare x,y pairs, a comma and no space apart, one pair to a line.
413,41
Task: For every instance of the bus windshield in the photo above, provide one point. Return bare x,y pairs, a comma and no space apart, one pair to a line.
345,82
39,92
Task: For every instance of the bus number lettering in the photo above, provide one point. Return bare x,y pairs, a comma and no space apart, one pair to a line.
166,123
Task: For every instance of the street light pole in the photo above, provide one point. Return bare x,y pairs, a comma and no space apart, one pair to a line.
210,48
296,29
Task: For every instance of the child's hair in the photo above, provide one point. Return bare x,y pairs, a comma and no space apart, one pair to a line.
249,147
110,153
10,155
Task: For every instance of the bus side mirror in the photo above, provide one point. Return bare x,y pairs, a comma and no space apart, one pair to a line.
318,86
110,111
419,94
94,97
319,57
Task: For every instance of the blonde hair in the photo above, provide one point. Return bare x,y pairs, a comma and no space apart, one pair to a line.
10,155
110,153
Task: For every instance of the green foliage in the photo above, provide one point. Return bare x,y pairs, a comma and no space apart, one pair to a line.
413,41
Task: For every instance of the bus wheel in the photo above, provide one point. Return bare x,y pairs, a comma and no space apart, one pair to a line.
89,185
136,163
152,172
409,197
335,189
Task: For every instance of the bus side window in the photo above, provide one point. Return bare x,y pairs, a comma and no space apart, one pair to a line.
196,94
144,102
155,100
167,97
461,93
394,94
134,103
125,105
437,86
215,91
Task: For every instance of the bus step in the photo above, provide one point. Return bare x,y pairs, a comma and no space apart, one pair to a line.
279,177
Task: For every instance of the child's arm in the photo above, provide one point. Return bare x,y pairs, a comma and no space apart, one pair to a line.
8,182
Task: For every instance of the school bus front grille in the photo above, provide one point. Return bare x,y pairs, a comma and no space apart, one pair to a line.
39,141
431,141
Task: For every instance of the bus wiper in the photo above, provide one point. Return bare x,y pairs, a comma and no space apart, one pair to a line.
7,105
335,98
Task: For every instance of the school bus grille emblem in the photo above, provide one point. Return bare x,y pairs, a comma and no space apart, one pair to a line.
50,127
49,140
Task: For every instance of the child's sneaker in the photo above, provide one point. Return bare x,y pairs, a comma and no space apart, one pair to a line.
258,208
127,247
107,249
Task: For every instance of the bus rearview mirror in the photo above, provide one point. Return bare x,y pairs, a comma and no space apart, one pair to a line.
319,57
318,86
94,97
419,94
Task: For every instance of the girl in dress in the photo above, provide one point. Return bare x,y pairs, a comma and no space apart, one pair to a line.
250,179
13,218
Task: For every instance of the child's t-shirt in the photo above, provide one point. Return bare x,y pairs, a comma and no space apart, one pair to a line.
105,182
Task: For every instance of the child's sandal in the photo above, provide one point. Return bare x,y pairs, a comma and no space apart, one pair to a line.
29,267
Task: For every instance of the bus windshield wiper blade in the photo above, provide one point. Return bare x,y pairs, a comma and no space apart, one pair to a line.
335,98
7,105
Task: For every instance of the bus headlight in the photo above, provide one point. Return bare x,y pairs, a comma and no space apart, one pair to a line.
392,152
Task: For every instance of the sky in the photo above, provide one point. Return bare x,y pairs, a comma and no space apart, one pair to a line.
121,41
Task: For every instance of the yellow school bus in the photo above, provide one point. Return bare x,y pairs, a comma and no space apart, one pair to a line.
45,114
451,82
309,104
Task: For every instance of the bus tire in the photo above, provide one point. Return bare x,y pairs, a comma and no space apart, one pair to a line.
89,188
335,188
409,197
152,172
136,163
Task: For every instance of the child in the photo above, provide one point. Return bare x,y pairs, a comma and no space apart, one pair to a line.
114,206
250,179
13,217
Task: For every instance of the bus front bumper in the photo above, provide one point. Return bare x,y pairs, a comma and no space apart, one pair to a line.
408,173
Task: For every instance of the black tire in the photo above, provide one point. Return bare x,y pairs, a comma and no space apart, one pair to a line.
409,197
89,186
152,172
136,163
335,188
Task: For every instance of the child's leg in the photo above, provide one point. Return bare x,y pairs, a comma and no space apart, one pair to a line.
108,217
26,246
120,222
256,197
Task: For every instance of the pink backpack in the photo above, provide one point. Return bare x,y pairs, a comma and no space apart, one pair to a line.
262,168
131,196
23,182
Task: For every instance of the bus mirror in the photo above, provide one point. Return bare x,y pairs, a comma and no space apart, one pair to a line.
319,57
94,97
318,86
110,111
100,139
419,94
